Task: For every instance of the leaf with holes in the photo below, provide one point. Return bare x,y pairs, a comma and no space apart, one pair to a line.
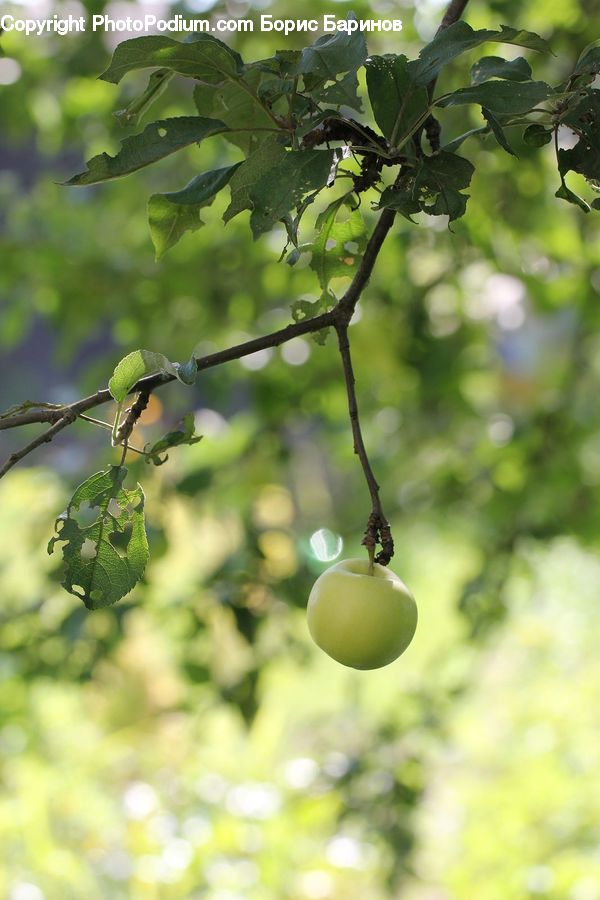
103,560
171,214
236,103
340,244
286,184
584,158
434,188
307,309
439,182
343,92
156,141
205,58
185,434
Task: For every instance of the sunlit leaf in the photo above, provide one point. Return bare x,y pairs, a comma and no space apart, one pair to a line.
156,141
104,560
205,58
185,434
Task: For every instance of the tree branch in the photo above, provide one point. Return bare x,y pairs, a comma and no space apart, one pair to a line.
339,317
67,419
68,414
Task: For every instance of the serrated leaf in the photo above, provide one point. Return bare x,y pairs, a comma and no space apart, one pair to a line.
185,434
333,54
495,67
269,154
501,97
205,58
497,131
156,141
135,366
236,104
460,37
438,184
400,198
398,103
104,560
339,245
537,136
171,214
157,83
341,93
284,186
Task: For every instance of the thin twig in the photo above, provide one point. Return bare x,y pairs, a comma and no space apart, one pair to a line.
18,455
70,413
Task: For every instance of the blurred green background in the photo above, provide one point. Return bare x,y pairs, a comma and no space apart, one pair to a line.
191,742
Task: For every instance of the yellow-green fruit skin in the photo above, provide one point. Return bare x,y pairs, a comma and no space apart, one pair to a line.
361,620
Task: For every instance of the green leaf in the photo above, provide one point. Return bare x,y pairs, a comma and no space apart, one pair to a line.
435,188
456,142
460,37
497,131
157,83
250,172
203,188
397,102
564,193
135,366
186,434
168,222
339,245
156,141
331,55
268,155
537,136
341,93
236,104
170,215
205,58
308,309
501,97
583,116
400,198
584,158
285,185
589,60
495,67
104,560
